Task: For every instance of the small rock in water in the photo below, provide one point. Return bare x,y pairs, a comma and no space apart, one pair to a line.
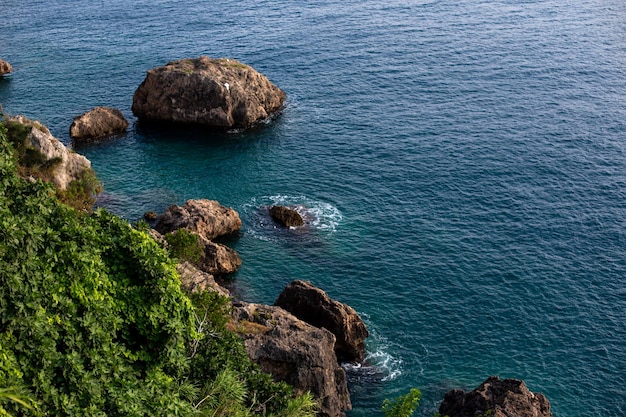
286,216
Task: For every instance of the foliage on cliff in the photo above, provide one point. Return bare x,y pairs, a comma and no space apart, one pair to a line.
93,321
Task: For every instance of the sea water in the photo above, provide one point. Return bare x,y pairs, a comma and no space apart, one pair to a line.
462,164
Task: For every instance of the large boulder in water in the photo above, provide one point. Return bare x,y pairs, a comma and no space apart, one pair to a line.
218,259
98,122
497,398
5,68
295,352
207,218
314,306
222,93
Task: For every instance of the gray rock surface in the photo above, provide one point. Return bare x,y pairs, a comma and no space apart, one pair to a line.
500,398
314,306
221,93
71,166
98,122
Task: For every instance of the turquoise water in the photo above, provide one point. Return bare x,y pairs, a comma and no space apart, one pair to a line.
464,164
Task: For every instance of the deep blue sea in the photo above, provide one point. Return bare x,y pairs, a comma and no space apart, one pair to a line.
464,164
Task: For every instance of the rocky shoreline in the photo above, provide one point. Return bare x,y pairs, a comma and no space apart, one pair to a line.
304,337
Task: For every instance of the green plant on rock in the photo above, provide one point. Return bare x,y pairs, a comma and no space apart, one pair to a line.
402,406
184,245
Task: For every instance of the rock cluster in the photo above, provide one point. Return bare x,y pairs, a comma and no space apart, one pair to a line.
209,220
314,306
497,398
98,122
5,68
221,93
70,166
286,216
296,352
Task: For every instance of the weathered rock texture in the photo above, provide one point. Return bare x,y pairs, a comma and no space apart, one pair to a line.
193,279
314,306
296,352
218,259
5,68
286,216
221,93
207,218
70,166
502,398
97,123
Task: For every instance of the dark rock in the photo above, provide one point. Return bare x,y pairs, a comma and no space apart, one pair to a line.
313,306
286,216
97,123
222,93
5,68
501,398
295,352
207,218
150,216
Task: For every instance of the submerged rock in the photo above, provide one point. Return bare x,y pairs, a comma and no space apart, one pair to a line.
5,68
222,93
314,306
499,398
286,216
64,166
295,352
98,122
207,218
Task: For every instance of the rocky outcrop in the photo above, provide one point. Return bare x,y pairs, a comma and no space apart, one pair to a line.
218,259
222,93
500,398
286,216
65,166
314,306
207,218
194,280
5,68
295,352
97,123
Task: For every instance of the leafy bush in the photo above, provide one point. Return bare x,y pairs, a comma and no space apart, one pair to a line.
402,406
184,245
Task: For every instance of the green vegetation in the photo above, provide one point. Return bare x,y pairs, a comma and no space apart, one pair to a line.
93,321
184,245
402,406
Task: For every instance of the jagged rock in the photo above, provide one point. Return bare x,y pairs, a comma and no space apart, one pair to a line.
207,218
501,398
286,216
98,122
150,216
295,352
70,166
5,68
193,279
221,93
314,306
218,259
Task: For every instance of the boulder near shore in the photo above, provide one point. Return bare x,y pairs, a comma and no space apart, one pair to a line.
5,68
496,398
220,93
98,122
